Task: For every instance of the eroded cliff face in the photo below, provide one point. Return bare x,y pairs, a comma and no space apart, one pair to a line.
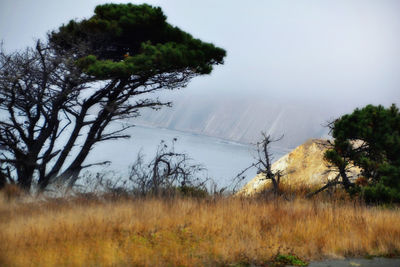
240,119
303,166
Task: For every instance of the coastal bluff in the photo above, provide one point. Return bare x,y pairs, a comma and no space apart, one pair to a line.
303,166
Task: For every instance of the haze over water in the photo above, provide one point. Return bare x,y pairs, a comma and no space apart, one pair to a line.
314,59
223,159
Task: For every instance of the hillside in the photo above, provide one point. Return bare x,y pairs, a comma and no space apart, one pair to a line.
303,166
240,119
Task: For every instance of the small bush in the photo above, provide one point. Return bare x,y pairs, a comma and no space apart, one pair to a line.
192,191
283,260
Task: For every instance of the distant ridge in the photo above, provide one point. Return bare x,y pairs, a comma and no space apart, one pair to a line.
240,120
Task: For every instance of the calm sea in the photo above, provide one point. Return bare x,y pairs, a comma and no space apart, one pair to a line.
223,159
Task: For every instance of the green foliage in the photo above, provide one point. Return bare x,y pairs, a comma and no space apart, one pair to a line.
113,61
283,260
370,139
127,39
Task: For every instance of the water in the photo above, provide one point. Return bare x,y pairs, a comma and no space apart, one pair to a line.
223,159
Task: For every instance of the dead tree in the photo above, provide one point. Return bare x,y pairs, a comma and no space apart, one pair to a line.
48,106
263,163
167,170
42,95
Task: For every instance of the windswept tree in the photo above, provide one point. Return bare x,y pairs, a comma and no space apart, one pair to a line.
263,164
368,138
66,91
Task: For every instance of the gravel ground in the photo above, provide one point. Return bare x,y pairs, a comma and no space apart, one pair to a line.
376,262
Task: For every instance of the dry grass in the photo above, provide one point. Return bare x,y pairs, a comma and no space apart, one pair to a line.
189,232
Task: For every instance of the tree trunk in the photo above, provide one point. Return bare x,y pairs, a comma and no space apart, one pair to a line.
25,176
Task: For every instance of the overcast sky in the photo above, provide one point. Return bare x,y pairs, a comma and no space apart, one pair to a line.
337,52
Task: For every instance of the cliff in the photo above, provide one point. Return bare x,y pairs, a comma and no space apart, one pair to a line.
303,166
240,119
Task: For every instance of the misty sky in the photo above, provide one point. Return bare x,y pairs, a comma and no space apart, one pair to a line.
342,53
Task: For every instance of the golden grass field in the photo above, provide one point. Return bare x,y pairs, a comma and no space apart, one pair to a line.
190,232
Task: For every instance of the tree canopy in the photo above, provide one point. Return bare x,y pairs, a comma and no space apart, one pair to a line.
369,138
57,100
129,39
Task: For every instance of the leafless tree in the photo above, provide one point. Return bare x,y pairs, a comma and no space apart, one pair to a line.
263,163
166,174
48,106
168,169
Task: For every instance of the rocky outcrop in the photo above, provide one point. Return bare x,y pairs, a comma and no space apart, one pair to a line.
303,166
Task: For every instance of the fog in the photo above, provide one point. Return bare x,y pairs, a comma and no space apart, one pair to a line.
333,55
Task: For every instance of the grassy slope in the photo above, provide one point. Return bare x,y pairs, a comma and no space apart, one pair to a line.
190,232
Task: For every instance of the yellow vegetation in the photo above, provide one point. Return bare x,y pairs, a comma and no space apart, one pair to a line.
304,165
189,232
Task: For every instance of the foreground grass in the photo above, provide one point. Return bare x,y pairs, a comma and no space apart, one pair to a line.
190,232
